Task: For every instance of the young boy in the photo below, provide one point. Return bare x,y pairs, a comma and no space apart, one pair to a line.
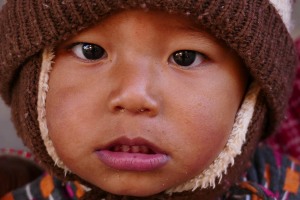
151,99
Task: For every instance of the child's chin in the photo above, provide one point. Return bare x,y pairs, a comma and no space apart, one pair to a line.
135,191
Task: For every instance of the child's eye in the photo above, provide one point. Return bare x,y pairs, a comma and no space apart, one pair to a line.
187,58
87,51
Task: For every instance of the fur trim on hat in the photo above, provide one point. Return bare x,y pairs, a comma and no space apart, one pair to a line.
46,67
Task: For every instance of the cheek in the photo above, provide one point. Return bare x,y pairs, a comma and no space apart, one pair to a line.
205,120
204,136
64,114
72,109
72,96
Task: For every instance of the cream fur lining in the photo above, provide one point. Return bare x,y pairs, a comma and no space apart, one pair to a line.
46,67
207,178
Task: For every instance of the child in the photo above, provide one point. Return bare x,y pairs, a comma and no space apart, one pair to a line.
152,99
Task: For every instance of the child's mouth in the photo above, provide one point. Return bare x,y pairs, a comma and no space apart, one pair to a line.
132,149
132,155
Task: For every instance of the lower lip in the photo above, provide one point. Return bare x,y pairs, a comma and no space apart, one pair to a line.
132,161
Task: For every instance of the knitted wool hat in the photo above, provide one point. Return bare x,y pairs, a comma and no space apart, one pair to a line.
257,30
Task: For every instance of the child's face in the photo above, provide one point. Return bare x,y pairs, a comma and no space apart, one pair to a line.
142,102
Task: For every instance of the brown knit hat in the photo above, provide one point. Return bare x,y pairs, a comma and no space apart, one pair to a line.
253,29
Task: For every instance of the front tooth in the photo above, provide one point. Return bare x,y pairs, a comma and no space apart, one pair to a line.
135,149
125,148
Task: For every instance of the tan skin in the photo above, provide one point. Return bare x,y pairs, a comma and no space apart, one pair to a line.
139,88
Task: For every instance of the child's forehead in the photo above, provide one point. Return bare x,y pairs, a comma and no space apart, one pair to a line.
148,17
141,21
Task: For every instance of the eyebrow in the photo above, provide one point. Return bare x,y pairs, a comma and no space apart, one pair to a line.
203,36
198,32
200,35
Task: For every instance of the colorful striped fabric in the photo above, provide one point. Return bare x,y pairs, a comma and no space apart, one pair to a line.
272,176
47,187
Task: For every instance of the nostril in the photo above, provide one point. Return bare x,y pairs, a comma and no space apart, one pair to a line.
135,106
119,109
140,110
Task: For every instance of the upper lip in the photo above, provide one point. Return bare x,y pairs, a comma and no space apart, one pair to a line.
138,141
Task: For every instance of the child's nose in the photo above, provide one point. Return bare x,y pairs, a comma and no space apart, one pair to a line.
135,91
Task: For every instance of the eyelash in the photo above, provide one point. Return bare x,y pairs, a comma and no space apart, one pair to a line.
96,52
184,59
187,59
